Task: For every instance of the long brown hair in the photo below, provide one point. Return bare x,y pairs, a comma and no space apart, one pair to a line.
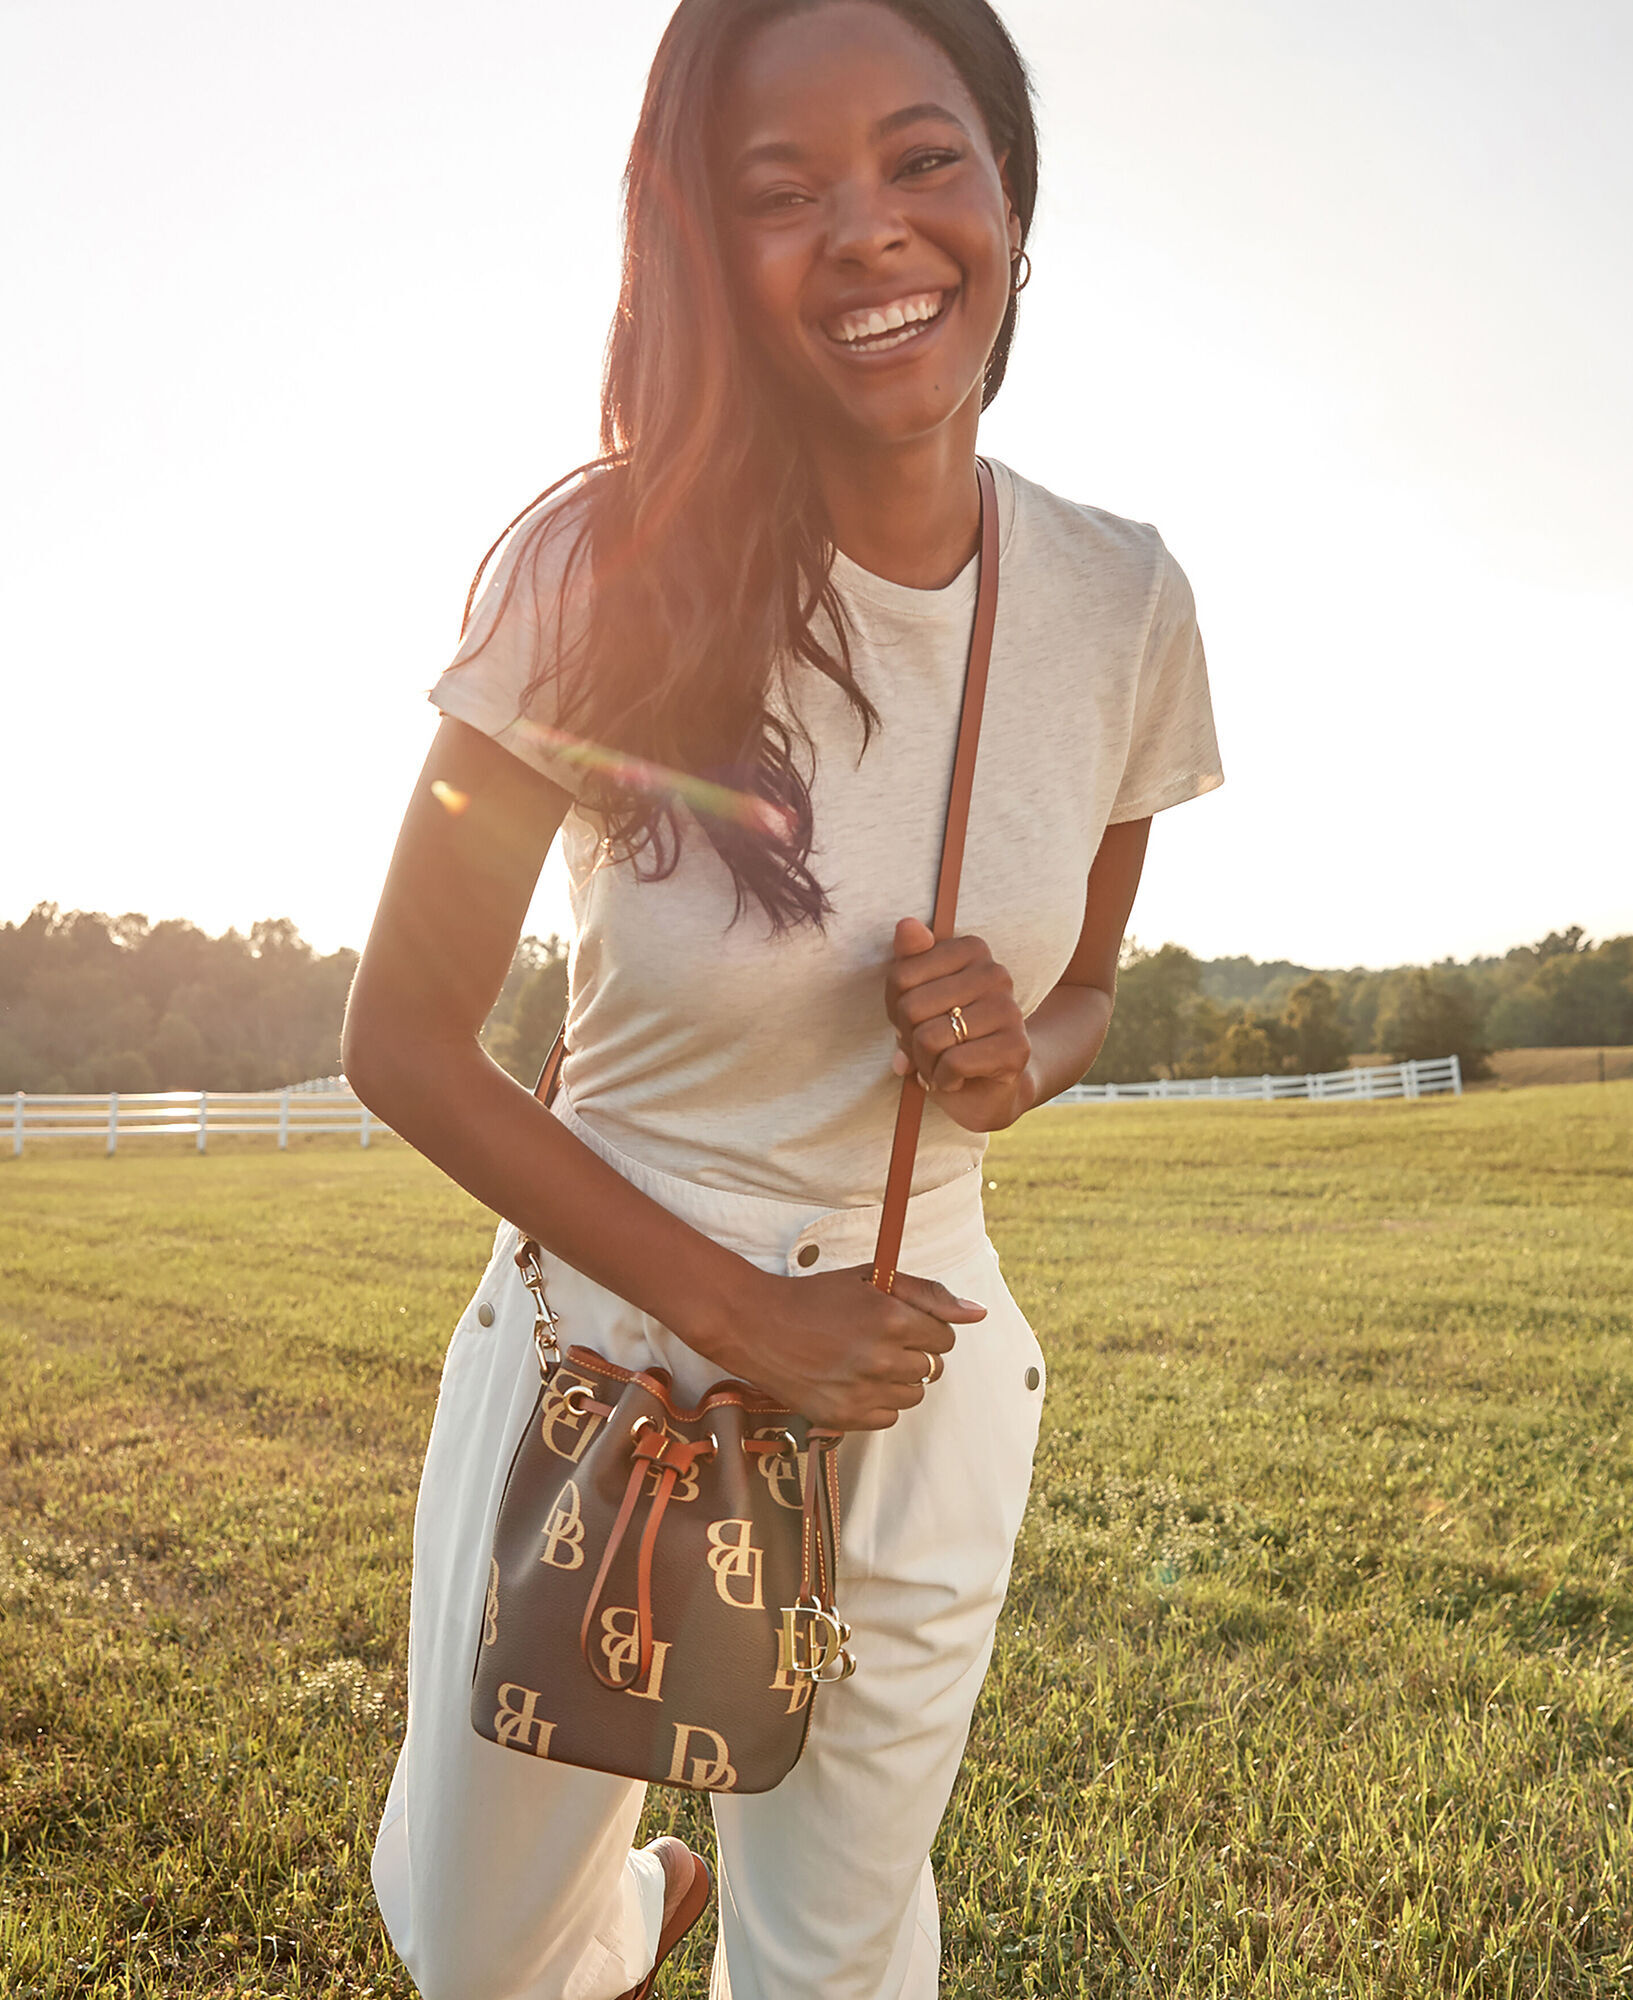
707,540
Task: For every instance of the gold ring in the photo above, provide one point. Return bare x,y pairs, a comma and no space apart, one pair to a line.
935,1371
961,1031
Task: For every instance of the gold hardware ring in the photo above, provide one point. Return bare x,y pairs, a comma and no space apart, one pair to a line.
961,1031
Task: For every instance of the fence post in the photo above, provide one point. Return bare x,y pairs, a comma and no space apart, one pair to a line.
363,1127
1457,1073
1265,1089
283,1120
1312,1085
17,1124
113,1122
1409,1078
203,1117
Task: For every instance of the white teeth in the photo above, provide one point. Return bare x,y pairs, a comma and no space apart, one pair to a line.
878,321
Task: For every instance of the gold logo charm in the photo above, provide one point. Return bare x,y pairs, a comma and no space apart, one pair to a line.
564,1532
704,1773
736,1564
490,1610
621,1649
517,1722
811,1645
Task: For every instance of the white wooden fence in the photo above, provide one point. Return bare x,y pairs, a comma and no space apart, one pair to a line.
122,1114
326,1105
1407,1079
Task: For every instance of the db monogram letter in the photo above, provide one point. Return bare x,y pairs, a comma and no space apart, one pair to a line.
517,1721
712,1773
736,1564
564,1532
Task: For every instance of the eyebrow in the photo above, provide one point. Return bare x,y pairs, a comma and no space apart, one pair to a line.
910,114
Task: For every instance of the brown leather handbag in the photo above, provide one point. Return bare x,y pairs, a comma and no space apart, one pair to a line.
660,1597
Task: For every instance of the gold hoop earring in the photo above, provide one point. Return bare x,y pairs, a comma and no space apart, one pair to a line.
1018,281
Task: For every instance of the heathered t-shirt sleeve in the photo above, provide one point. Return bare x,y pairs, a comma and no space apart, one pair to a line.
518,631
1173,754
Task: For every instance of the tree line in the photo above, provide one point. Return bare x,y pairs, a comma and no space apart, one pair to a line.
1178,1015
91,1003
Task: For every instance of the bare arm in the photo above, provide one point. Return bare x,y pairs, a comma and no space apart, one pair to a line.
478,827
1009,1063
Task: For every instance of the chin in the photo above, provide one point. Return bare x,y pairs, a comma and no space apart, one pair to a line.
902,418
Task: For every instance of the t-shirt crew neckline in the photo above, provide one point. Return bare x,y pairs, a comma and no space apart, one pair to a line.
902,599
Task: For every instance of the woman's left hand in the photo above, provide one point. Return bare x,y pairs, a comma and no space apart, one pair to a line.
983,1081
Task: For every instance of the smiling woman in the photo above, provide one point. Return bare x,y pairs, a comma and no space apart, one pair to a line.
726,664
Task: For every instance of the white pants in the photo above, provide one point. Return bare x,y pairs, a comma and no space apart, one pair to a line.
501,1877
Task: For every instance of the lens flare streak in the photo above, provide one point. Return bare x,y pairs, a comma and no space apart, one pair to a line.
636,774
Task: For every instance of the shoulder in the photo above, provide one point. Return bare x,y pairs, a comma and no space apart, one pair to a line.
547,539
535,577
1069,550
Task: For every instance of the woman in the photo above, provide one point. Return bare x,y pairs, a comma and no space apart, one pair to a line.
725,665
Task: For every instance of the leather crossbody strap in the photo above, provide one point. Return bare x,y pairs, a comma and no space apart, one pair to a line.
910,1112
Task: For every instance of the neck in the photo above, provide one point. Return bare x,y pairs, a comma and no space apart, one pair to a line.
909,512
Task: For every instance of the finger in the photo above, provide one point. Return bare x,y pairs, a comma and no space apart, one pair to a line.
995,1058
936,1034
913,937
941,961
974,987
998,1057
932,1298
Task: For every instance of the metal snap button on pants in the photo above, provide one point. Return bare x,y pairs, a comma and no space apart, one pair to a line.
502,1877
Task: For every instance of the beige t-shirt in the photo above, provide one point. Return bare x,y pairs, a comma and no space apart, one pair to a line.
717,1052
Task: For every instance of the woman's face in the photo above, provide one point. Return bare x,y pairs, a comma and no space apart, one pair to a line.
866,218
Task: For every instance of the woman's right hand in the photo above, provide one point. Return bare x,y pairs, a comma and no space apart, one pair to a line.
837,1350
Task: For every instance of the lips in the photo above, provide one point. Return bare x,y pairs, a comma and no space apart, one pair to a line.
876,329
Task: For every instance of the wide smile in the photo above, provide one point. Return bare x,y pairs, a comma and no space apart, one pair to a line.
886,329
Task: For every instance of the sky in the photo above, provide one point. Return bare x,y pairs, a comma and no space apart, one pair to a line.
304,303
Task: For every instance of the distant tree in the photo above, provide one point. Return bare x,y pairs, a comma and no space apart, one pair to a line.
177,1054
1571,995
1245,1050
1561,944
1432,1012
1320,1040
92,1002
1360,995
1258,988
530,1009
1153,1023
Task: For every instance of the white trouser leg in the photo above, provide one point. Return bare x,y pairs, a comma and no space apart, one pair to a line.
500,1877
826,1889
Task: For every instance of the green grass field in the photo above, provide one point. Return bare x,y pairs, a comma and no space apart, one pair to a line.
1316,1677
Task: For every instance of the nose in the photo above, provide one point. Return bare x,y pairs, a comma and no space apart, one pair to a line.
864,223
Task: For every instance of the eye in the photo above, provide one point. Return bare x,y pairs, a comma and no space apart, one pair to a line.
774,200
928,160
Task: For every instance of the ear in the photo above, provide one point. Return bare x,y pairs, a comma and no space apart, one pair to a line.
1012,222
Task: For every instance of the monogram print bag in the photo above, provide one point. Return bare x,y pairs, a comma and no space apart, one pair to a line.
660,1599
